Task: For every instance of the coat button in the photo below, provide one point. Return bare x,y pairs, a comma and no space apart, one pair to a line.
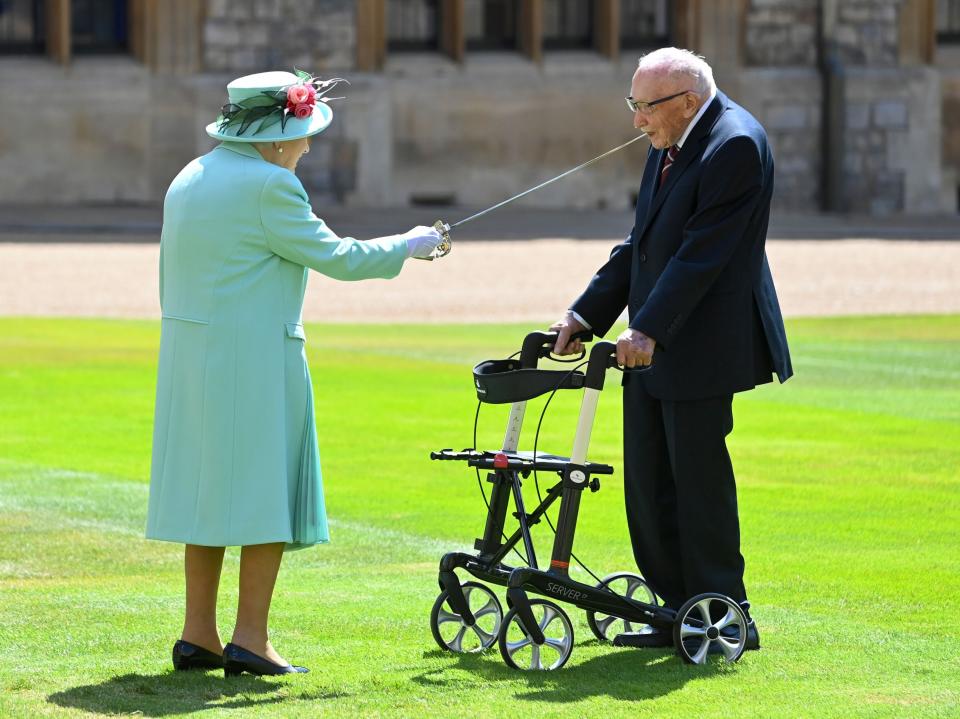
643,257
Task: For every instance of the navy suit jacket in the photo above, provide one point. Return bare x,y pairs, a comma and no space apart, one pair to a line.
693,273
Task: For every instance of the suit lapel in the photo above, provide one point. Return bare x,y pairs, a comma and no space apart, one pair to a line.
692,148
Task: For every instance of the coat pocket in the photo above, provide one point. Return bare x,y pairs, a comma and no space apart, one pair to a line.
295,330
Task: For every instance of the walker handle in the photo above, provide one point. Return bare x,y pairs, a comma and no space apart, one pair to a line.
540,344
602,356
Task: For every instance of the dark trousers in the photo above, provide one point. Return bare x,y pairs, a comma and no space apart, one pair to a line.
681,496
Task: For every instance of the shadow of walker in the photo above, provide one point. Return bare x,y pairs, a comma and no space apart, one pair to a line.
158,695
624,674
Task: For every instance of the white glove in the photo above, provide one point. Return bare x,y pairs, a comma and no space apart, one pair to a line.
421,241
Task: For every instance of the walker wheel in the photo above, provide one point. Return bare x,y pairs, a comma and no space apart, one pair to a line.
453,634
708,624
520,652
631,586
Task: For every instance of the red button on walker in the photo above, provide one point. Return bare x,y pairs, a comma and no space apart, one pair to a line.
501,461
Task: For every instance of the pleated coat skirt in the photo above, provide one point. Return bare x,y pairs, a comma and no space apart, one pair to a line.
235,451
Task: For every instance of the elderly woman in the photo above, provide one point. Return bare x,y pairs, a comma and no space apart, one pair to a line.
235,458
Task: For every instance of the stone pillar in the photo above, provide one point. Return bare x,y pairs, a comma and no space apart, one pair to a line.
714,29
882,118
58,30
606,27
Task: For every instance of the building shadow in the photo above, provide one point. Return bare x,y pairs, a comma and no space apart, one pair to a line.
621,674
157,695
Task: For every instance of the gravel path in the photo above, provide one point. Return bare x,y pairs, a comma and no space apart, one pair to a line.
489,281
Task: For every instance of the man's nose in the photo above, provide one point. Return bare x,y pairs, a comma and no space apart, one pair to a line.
637,119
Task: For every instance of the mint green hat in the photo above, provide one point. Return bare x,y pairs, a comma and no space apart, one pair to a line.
274,106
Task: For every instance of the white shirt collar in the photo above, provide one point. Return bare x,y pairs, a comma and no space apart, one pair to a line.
696,119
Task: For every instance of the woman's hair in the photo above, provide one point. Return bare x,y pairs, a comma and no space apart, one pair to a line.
679,64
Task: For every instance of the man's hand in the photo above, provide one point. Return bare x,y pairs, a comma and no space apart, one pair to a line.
565,328
634,349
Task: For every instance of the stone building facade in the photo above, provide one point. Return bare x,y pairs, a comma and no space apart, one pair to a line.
468,101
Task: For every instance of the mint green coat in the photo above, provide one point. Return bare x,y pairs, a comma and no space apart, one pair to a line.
235,456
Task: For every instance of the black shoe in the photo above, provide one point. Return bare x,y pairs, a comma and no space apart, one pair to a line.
651,639
237,660
190,656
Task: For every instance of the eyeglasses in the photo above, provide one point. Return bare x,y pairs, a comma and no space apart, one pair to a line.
641,106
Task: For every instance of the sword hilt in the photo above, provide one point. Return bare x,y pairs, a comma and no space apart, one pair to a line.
446,244
443,248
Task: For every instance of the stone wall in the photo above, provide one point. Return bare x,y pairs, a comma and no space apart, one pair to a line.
425,128
781,86
948,66
252,35
886,117
865,32
75,135
892,141
477,133
781,33
786,101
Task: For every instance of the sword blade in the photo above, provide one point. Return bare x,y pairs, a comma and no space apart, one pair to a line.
548,182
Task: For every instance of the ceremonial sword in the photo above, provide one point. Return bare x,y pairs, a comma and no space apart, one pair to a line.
443,249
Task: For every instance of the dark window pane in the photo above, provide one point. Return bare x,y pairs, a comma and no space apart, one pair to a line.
412,25
491,24
948,20
21,26
567,24
98,26
643,23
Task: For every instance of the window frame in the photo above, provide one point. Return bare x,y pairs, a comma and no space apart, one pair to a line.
654,41
36,46
407,45
950,36
371,47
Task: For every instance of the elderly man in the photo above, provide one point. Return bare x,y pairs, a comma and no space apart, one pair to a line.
703,314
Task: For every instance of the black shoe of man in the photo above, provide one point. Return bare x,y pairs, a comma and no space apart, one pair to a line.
659,639
649,639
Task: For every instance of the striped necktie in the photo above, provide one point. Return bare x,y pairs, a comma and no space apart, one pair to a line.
665,170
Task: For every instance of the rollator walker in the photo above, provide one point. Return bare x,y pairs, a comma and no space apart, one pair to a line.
537,633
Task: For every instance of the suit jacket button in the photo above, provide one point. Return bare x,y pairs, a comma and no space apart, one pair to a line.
643,257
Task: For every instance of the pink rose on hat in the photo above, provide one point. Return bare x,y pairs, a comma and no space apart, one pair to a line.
299,94
301,99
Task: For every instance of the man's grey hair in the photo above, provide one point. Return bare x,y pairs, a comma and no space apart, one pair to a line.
681,65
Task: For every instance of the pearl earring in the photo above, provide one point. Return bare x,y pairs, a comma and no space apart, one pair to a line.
279,149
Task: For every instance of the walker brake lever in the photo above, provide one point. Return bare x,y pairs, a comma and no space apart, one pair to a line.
442,249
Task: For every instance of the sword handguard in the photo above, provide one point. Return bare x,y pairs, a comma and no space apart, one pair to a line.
443,248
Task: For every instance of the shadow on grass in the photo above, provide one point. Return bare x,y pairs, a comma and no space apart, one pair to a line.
627,674
157,695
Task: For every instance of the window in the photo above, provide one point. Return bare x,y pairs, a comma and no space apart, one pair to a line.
98,26
948,21
567,24
21,26
643,23
456,27
413,25
491,24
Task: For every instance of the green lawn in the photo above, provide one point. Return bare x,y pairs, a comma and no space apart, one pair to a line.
849,481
